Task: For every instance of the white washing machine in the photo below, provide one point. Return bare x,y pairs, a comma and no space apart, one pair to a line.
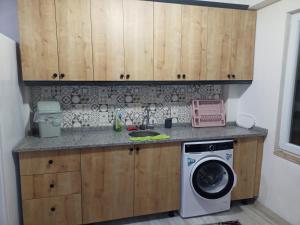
207,177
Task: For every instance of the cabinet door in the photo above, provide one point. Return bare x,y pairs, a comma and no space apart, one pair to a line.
50,185
244,158
194,42
38,39
107,179
74,39
53,211
108,39
34,163
40,162
157,169
167,41
138,39
243,44
220,23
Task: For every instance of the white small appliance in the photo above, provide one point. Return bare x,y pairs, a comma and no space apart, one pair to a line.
207,177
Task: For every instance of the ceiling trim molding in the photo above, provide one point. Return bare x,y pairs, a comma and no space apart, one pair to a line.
218,4
262,4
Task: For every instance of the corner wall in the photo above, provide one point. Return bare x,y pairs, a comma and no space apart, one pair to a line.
280,182
9,19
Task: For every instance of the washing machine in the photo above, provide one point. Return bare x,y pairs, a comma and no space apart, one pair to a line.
207,177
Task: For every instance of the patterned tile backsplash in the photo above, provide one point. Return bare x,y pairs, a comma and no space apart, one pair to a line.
94,106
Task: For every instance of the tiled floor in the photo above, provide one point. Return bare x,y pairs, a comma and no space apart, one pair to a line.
253,214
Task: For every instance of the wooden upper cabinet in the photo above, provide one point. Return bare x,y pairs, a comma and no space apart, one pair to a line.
108,39
107,184
38,39
220,25
157,169
230,44
127,40
243,44
138,39
167,41
194,42
74,39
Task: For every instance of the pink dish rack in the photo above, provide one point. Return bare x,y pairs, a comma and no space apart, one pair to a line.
208,113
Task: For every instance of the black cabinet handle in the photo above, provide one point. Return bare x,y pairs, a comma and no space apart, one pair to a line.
183,76
229,76
54,76
51,186
122,76
137,149
235,141
233,76
178,76
127,76
131,149
62,76
52,209
50,162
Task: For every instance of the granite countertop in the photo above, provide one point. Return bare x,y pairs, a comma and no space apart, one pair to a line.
105,137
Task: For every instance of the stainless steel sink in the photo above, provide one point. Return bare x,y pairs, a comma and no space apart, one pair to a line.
143,133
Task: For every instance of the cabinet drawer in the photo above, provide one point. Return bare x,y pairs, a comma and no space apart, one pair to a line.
53,211
32,163
50,185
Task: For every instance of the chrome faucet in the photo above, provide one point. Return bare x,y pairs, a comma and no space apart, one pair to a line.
147,119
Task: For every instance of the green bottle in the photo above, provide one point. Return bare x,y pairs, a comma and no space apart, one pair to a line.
118,124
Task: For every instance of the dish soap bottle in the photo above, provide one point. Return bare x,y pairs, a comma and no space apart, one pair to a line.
117,124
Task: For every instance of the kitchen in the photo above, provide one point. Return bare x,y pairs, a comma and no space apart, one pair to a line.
126,84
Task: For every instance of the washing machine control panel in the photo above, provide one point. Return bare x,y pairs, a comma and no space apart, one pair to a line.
193,147
211,147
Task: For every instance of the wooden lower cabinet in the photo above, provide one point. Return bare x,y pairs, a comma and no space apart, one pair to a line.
65,210
157,178
118,182
41,162
50,185
129,181
247,161
107,179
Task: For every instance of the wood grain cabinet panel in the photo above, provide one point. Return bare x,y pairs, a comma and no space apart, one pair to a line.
38,40
230,44
107,179
194,42
220,26
121,40
108,39
245,159
167,41
243,44
138,39
74,37
157,169
50,185
32,163
64,210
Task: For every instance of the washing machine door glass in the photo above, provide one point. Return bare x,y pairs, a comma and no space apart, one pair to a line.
213,179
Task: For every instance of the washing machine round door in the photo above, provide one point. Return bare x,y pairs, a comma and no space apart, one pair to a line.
212,178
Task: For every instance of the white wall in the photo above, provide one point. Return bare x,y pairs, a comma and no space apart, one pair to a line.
12,130
280,183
